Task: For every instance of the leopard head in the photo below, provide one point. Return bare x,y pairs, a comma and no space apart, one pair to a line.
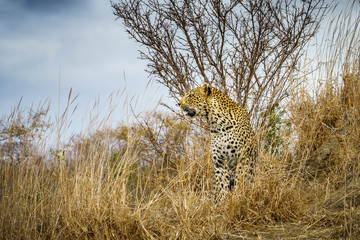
195,102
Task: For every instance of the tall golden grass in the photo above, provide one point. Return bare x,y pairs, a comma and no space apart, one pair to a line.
152,179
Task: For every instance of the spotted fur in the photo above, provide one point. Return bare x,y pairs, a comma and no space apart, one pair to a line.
232,137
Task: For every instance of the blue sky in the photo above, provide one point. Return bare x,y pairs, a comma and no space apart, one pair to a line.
76,41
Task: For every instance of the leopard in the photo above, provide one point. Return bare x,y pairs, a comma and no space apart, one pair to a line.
233,143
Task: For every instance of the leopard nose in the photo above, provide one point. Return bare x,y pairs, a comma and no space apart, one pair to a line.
179,104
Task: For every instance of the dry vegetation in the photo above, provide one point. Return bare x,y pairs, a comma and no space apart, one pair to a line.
152,179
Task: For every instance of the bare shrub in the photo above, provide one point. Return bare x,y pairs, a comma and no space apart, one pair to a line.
247,49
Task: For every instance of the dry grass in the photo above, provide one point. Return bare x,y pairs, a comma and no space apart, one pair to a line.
119,184
87,191
152,179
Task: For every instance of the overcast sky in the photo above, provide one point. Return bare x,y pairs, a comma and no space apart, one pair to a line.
76,41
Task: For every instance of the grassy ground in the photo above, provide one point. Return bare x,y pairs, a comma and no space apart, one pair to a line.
152,180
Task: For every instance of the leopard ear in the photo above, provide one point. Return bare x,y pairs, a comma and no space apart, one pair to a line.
206,89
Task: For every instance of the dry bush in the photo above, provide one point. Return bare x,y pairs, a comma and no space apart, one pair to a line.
327,150
248,49
150,180
326,123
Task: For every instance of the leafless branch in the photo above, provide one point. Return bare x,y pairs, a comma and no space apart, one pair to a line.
249,49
